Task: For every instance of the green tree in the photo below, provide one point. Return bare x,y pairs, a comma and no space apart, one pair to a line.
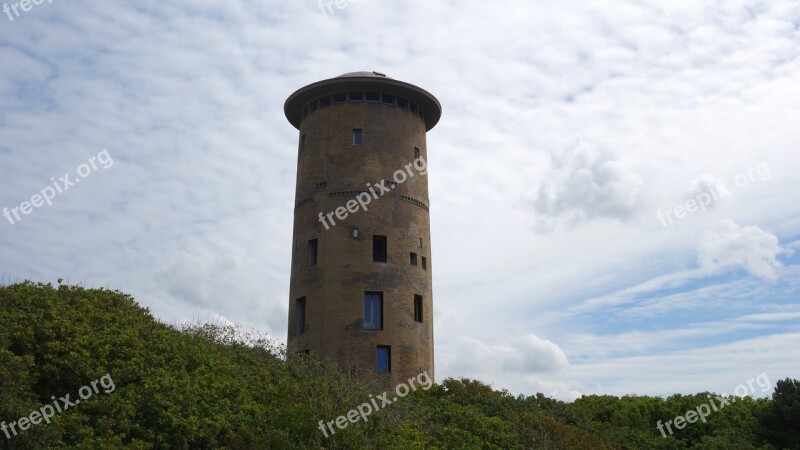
780,422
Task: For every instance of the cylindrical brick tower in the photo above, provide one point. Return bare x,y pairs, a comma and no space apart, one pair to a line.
361,289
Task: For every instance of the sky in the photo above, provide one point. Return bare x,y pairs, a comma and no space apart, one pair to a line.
613,185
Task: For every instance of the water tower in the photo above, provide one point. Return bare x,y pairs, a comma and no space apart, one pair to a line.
361,291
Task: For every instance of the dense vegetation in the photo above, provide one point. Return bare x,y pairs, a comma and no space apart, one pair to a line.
214,387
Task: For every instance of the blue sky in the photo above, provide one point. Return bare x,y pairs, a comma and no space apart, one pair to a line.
567,127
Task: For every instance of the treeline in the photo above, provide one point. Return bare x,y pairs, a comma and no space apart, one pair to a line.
204,387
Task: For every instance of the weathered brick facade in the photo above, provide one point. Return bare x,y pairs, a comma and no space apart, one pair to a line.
332,171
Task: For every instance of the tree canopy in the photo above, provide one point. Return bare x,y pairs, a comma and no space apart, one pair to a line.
211,386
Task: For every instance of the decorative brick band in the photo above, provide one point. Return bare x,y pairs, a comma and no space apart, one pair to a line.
419,203
345,193
303,202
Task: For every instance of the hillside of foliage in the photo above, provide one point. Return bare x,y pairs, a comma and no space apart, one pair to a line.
209,386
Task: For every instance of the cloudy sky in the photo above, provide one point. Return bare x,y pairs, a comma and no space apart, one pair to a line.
614,185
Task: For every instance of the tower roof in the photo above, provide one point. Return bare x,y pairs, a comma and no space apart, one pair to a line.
363,74
362,81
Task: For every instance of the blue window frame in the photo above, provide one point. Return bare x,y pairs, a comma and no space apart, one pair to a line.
384,359
373,310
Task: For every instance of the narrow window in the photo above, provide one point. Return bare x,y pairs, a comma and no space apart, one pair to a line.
300,311
384,359
418,308
373,310
357,136
313,245
416,153
424,263
302,144
413,259
414,108
420,243
379,248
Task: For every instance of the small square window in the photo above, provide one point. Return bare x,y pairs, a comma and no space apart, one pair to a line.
373,97
358,137
417,308
401,102
414,108
373,310
384,359
424,263
379,248
388,99
413,259
356,96
340,98
313,245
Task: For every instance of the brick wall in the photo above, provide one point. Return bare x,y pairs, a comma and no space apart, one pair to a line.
334,288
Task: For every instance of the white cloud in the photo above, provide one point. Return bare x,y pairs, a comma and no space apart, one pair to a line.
523,363
586,183
212,285
709,187
750,248
527,353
